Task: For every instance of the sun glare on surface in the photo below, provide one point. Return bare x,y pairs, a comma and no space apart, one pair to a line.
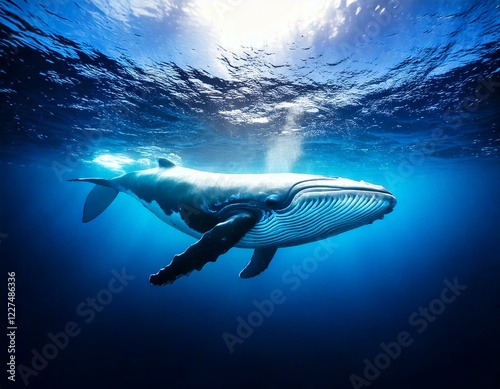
235,23
113,162
260,23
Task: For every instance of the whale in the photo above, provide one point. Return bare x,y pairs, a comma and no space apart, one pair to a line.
262,212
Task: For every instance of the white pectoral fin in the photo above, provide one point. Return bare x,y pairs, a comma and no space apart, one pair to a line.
259,262
97,201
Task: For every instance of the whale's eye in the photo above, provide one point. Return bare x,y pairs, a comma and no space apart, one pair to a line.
273,200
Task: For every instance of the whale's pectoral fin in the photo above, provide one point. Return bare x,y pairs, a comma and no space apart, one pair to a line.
213,243
97,201
259,262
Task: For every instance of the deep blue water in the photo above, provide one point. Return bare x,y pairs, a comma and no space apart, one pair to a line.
403,94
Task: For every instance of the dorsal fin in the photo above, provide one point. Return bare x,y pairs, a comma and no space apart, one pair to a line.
165,163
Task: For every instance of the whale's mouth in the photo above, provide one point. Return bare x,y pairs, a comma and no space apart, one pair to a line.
318,212
335,184
341,206
342,199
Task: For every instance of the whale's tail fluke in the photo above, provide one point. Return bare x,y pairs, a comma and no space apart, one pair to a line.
98,199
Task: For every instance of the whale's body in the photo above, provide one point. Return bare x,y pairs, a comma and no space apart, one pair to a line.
259,211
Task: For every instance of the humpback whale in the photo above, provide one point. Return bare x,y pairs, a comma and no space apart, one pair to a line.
259,211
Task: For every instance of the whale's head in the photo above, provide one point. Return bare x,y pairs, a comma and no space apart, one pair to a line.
319,207
341,196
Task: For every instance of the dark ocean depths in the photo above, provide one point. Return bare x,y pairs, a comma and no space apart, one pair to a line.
400,93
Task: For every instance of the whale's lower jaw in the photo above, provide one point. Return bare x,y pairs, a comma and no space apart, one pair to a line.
309,218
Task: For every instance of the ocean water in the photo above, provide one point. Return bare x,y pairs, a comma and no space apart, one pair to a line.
403,94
